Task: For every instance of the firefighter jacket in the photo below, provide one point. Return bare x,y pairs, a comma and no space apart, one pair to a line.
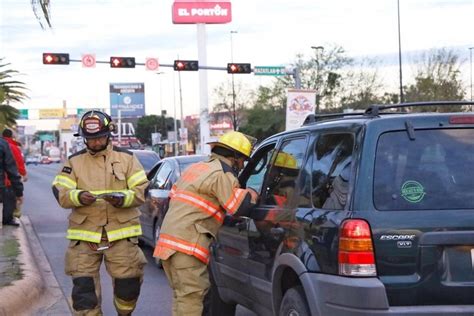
200,200
110,170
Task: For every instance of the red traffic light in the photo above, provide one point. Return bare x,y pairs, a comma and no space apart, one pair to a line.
55,59
239,68
186,65
122,62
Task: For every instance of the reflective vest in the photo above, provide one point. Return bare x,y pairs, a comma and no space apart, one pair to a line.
111,170
199,201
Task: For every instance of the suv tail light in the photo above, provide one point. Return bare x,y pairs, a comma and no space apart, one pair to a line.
356,253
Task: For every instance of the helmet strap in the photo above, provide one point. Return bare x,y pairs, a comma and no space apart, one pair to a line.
101,148
235,163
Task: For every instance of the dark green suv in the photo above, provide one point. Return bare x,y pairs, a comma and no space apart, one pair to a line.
359,214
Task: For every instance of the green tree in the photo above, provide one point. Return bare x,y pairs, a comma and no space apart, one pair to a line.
11,91
243,98
363,86
339,80
267,116
153,124
438,78
324,72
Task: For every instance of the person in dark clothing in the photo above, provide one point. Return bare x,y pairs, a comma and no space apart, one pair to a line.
9,202
8,167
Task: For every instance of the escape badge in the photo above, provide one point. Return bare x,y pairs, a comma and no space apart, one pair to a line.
413,191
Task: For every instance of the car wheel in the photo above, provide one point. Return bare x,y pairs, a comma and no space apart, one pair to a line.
213,304
294,303
157,235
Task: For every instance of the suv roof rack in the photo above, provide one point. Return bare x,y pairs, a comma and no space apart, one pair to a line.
374,110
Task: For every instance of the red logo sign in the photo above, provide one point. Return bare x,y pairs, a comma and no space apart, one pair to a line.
202,12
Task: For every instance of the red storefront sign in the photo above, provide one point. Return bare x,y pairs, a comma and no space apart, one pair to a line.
202,12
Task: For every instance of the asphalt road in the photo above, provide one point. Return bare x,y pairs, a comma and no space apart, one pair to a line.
50,223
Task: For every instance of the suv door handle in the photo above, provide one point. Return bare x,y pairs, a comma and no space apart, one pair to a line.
277,231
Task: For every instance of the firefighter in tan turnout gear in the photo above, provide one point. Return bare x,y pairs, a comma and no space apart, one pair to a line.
102,185
200,199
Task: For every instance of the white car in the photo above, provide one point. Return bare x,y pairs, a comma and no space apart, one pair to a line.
33,159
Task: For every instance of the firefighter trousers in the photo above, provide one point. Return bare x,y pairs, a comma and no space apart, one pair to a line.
124,262
189,279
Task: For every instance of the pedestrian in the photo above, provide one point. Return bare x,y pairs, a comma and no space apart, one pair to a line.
200,200
8,168
10,206
103,185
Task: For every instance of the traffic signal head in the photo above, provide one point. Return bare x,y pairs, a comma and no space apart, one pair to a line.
55,59
239,68
186,65
122,62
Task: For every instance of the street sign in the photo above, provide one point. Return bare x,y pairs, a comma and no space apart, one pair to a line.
152,64
269,71
155,138
88,60
23,114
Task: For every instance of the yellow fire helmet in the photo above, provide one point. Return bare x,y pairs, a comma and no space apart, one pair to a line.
285,160
236,141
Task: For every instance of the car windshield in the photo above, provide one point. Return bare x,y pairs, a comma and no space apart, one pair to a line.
430,172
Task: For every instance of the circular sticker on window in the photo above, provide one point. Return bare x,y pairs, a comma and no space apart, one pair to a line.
413,191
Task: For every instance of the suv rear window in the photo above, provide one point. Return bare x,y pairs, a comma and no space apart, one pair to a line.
432,172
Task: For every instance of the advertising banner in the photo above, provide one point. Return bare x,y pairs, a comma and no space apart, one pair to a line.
192,12
129,98
299,104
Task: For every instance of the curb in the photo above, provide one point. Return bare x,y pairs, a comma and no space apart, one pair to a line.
21,295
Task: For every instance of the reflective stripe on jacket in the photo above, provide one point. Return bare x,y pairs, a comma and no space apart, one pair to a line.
200,200
111,170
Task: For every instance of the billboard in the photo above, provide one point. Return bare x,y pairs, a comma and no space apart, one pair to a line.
210,12
300,103
129,98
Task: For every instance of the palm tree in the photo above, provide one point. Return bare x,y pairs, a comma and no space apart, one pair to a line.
10,91
43,6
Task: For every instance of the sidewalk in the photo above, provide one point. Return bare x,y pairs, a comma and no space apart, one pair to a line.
27,283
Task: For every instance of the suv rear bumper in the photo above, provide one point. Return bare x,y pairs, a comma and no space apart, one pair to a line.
335,295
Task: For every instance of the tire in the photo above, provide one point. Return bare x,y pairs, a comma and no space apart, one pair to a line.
294,303
214,305
157,235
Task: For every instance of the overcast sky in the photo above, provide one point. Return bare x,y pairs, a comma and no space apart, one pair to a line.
268,33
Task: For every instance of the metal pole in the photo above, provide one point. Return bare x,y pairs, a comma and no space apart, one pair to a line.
470,60
119,127
318,70
180,106
175,124
234,118
400,54
203,94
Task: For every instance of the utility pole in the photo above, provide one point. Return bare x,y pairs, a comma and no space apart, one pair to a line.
318,70
402,99
470,60
234,118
